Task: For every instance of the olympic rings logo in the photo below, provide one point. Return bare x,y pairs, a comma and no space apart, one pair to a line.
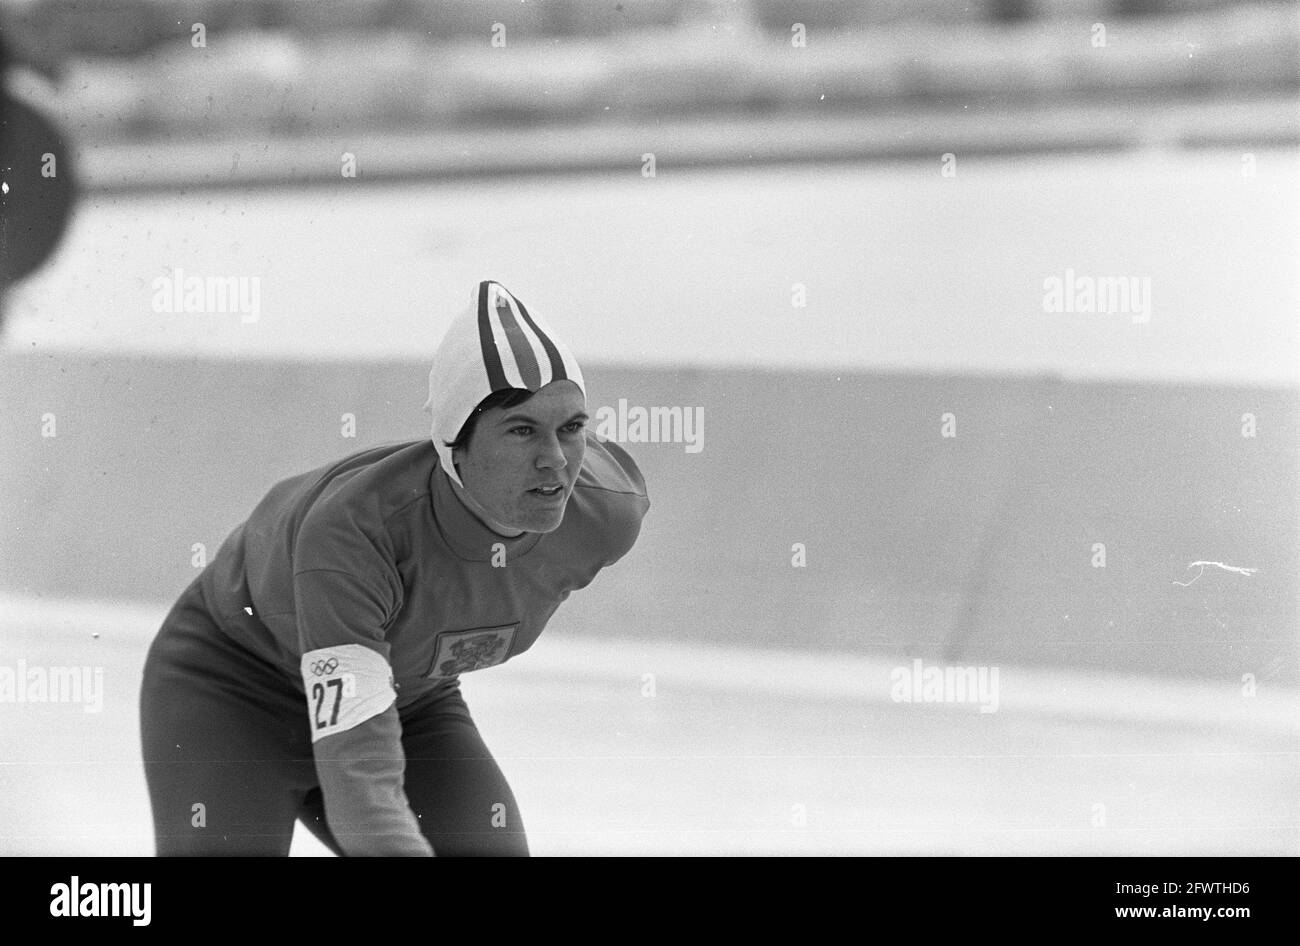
322,667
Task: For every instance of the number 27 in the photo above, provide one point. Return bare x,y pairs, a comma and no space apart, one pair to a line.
318,692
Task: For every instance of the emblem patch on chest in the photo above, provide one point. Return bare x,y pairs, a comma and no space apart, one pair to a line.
462,651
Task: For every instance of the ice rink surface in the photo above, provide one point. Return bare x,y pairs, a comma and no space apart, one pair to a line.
903,269
620,747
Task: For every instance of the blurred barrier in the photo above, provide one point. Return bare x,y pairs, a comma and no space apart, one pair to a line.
243,162
253,78
129,27
980,548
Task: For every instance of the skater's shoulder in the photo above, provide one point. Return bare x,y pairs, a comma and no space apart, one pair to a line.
608,503
376,484
609,468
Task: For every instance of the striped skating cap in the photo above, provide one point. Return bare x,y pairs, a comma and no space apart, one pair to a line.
495,343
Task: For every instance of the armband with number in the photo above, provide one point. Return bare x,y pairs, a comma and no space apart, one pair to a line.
346,685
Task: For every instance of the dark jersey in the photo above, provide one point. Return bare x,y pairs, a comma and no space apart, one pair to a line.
370,584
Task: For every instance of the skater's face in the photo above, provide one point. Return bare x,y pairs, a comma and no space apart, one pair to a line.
516,453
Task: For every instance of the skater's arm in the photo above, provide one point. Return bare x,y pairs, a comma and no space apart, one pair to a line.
351,705
361,779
